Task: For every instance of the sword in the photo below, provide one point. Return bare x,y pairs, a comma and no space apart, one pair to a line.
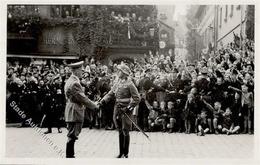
137,126
43,118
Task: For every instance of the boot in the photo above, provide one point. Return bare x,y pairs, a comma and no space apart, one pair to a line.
202,132
120,156
244,132
48,131
121,144
126,146
70,149
59,130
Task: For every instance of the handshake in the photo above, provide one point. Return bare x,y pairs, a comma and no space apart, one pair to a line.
98,104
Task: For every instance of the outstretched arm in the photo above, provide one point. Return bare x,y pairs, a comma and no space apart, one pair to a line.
107,97
77,95
235,89
208,105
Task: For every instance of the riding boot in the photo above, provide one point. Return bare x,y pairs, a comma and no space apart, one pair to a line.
121,145
126,145
59,130
48,131
70,149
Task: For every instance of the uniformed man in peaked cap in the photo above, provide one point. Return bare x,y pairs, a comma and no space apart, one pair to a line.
76,104
127,97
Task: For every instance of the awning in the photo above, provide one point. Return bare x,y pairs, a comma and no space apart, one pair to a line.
66,57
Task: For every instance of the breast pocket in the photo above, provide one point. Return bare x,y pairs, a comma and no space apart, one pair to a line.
123,92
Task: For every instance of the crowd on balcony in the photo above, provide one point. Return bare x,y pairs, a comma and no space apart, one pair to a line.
133,30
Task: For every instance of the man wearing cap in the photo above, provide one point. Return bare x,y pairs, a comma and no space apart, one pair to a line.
76,104
127,97
202,84
147,91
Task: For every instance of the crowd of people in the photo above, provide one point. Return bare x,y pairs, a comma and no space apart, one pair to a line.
139,31
212,95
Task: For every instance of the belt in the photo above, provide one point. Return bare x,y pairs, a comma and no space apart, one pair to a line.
125,100
70,101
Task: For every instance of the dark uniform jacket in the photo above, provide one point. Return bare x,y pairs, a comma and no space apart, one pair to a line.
202,86
76,100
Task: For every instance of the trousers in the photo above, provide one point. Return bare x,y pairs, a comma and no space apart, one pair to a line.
74,130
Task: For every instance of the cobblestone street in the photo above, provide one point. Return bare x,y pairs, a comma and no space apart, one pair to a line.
27,143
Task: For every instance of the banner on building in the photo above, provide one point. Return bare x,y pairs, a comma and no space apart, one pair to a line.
57,40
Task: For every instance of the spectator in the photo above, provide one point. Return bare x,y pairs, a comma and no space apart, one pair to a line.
228,123
203,126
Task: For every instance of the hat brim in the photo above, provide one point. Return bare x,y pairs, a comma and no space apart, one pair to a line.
120,68
76,65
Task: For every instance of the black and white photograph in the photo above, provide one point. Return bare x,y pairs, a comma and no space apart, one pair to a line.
130,81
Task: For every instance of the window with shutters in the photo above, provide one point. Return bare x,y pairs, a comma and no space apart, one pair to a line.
226,14
231,11
220,17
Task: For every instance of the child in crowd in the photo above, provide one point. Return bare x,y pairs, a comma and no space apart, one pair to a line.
236,110
153,115
217,114
171,116
161,119
247,106
203,126
189,115
229,126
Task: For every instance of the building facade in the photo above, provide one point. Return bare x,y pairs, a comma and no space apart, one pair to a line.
180,39
217,24
57,31
231,20
166,28
206,19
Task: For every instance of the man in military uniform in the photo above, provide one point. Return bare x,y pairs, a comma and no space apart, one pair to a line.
202,84
127,97
76,104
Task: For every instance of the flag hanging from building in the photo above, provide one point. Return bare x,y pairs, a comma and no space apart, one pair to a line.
236,40
128,31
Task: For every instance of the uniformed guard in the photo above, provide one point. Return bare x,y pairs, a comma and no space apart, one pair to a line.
76,104
127,97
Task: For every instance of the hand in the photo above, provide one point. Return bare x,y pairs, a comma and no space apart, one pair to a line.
167,91
150,90
150,108
98,105
130,108
172,92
